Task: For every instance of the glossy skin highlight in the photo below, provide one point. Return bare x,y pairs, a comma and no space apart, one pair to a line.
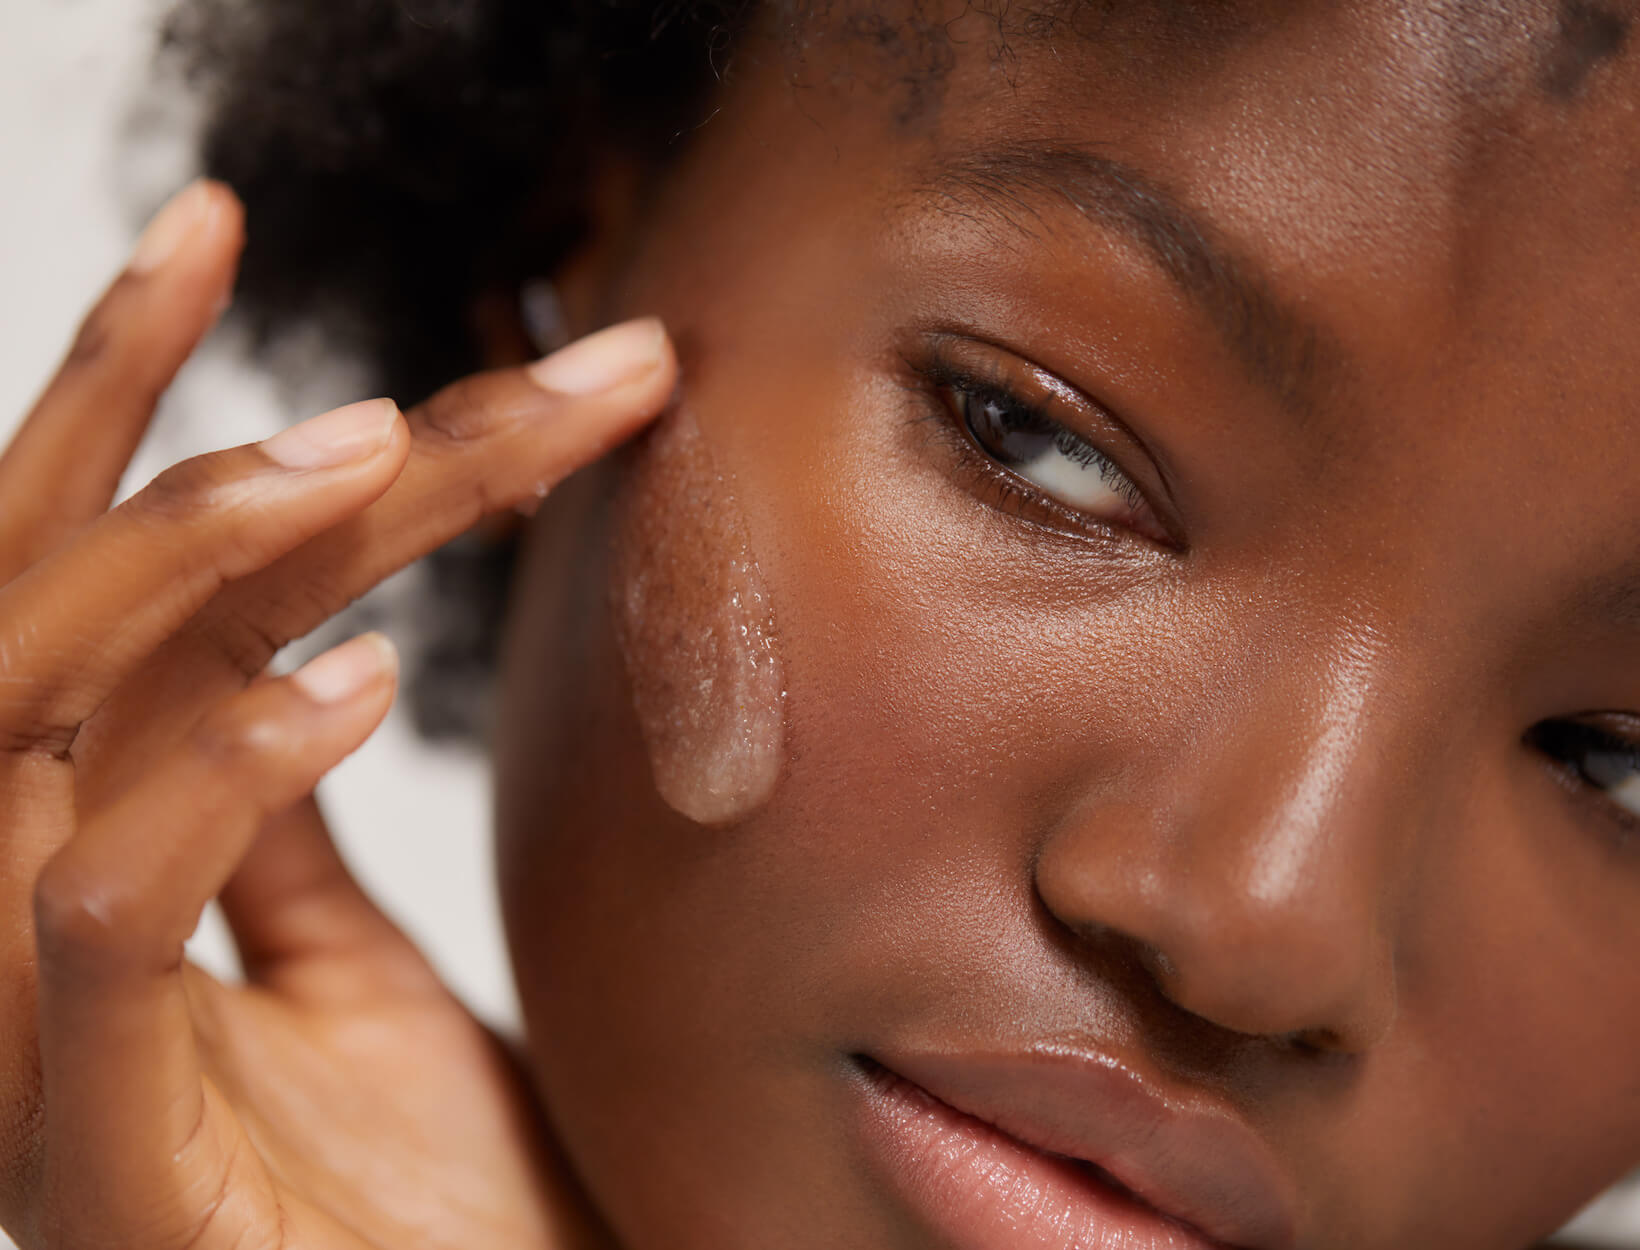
697,632
1253,811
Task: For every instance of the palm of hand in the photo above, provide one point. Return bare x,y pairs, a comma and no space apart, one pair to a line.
382,1117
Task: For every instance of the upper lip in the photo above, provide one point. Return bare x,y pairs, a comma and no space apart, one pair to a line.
1188,1156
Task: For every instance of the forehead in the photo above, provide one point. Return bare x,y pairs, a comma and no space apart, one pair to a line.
1408,120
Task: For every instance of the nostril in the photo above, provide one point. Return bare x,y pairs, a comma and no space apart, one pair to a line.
1307,970
1317,1043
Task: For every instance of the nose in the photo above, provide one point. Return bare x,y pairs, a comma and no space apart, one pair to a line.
1256,872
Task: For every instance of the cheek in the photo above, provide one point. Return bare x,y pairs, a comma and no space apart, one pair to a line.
693,621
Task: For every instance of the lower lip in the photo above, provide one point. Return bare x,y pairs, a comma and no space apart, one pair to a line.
981,1190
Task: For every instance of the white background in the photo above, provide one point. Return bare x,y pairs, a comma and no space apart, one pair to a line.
86,149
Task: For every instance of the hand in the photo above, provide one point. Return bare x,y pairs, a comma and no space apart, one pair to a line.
341,1097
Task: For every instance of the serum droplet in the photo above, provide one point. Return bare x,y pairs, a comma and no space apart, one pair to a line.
696,633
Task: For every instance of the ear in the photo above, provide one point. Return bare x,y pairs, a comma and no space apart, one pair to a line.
583,280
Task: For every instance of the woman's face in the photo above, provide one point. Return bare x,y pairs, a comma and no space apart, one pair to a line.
1131,630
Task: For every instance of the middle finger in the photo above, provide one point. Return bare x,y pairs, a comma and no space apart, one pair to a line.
488,443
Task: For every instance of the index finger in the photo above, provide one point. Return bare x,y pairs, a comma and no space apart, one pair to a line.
486,444
64,464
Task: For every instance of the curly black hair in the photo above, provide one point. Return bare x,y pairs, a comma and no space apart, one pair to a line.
397,158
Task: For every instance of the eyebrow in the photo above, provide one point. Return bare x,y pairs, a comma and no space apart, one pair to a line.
1280,349
1589,35
1614,598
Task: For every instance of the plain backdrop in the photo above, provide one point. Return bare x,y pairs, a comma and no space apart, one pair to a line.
87,149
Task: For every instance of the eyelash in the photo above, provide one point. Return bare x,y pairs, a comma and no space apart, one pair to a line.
939,376
1562,742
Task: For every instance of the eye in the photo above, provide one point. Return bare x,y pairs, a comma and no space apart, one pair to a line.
1066,468
1594,757
1033,445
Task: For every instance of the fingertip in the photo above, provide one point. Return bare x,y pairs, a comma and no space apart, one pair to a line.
226,197
185,215
227,215
619,356
345,672
346,435
203,212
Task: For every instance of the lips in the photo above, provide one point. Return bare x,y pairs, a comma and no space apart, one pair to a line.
1057,1148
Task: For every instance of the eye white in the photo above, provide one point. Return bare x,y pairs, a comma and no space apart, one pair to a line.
1614,772
1627,795
1035,449
1076,485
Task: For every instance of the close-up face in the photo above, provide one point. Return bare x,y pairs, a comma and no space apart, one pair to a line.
1105,715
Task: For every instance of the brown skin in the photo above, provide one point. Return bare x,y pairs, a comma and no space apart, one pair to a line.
1249,807
142,1103
1253,810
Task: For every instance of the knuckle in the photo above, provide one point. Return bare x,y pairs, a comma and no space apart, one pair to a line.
245,636
76,915
184,490
26,736
236,741
108,346
34,721
208,494
94,339
470,409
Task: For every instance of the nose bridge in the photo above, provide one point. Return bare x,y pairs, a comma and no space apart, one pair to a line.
1291,826
1258,880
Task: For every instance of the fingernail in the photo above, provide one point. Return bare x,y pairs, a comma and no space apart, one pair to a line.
355,432
185,215
603,361
344,671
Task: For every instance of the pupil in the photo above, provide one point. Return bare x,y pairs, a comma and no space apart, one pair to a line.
1601,760
1609,767
1015,438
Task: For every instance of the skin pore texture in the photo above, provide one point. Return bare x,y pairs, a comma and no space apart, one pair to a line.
694,624
1230,805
